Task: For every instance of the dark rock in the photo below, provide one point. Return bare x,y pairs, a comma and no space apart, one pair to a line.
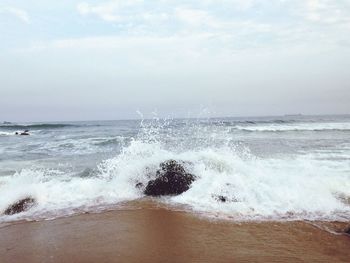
20,206
347,231
172,179
221,198
224,199
139,185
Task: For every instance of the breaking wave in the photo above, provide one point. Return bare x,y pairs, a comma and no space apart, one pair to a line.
272,188
4,133
343,126
35,126
255,188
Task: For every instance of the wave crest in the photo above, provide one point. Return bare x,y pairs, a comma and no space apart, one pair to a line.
254,188
36,126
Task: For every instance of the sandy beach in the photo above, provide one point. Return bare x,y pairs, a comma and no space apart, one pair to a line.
174,131
160,235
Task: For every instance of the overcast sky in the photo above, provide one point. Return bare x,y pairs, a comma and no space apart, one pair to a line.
86,60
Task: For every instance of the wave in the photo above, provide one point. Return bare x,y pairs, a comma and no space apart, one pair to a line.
332,126
117,140
285,188
74,146
36,126
3,133
258,189
248,122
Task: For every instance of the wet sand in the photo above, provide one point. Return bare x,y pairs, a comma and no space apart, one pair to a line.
160,235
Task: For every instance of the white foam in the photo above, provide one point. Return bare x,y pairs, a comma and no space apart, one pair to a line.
292,188
72,146
269,188
4,133
59,194
319,126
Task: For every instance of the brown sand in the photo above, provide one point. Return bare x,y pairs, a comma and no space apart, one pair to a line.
160,235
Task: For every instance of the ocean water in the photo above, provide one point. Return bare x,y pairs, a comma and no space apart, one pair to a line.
268,168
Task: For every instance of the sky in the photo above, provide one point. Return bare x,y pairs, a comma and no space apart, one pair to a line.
111,59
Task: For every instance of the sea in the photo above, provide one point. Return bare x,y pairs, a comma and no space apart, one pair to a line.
291,167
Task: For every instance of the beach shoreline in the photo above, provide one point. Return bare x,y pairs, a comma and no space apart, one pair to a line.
162,235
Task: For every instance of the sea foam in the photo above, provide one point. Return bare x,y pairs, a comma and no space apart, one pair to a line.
286,187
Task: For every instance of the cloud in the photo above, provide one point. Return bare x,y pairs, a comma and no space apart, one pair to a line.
218,14
243,4
170,18
105,11
326,11
221,25
108,11
17,12
180,52
193,17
